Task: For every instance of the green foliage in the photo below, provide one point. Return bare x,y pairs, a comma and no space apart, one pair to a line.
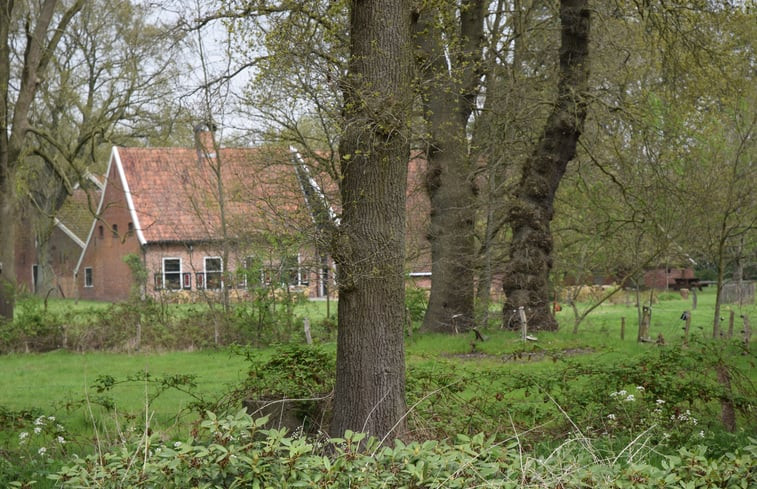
139,274
31,444
235,451
148,324
34,328
416,302
294,370
671,396
302,374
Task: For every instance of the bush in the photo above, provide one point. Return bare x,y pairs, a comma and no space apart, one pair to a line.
293,386
235,451
31,444
416,302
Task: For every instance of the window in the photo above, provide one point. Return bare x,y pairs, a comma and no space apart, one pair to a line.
291,271
115,230
130,229
213,272
172,273
187,281
100,231
88,277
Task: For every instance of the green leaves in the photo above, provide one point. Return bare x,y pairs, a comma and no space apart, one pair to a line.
232,451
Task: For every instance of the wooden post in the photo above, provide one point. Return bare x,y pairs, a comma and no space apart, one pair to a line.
693,298
306,325
623,328
687,328
731,320
646,318
523,323
747,332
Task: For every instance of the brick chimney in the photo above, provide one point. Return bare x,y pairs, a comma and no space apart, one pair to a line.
205,140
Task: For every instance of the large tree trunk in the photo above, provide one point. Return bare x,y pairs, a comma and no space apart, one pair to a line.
370,247
14,119
526,281
7,243
448,100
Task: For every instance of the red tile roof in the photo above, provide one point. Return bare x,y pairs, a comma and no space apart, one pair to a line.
175,192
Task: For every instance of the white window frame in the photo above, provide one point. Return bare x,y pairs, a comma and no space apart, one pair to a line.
205,272
303,277
91,282
163,273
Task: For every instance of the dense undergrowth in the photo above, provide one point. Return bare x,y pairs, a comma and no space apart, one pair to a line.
566,411
234,451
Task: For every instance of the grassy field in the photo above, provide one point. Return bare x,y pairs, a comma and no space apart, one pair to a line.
50,380
62,383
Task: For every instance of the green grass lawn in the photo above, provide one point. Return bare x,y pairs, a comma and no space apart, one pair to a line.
51,380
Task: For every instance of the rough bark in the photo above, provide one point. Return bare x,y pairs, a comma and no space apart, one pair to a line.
14,121
370,247
526,281
448,97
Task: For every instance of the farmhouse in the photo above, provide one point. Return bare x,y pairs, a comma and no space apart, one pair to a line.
201,220
47,250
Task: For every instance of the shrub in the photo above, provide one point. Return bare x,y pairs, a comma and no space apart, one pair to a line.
416,302
34,328
31,444
295,382
235,451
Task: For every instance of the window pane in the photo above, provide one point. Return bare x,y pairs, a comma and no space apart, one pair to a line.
212,264
171,273
172,265
213,273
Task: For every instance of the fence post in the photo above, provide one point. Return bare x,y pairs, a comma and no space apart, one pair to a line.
686,316
523,323
731,320
306,326
747,332
646,318
623,328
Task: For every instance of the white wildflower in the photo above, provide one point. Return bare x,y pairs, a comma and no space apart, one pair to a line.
39,421
630,398
59,427
611,417
640,388
51,418
177,444
23,436
37,430
701,434
42,451
660,402
61,440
